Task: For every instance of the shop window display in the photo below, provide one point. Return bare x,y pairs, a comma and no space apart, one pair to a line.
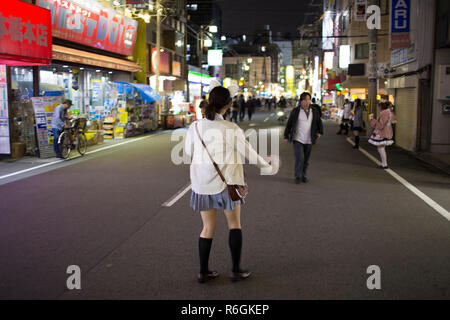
134,113
62,80
22,125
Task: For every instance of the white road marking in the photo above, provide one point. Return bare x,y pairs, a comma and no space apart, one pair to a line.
267,119
433,204
59,161
30,169
176,197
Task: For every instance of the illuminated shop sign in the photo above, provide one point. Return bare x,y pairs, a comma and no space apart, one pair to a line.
90,23
25,34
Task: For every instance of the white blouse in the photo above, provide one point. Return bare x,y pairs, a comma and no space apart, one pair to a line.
228,147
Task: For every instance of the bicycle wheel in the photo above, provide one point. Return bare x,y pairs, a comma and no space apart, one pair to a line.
64,145
82,144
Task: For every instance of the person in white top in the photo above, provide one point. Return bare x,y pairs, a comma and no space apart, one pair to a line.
227,145
346,118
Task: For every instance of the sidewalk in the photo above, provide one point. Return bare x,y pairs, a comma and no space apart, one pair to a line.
439,163
8,166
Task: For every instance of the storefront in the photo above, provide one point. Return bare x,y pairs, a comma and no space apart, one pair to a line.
24,46
175,110
135,112
198,81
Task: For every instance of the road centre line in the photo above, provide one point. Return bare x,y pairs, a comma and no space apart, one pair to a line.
177,196
433,204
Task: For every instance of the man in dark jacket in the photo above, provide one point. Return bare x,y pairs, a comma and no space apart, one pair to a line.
241,103
303,129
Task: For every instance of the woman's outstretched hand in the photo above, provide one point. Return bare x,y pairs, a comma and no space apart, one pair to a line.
274,161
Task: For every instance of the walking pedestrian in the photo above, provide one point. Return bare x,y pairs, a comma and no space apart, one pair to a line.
58,122
357,122
209,192
345,118
235,110
383,133
303,129
250,108
241,108
282,103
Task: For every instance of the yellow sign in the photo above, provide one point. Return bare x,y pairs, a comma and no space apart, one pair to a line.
49,109
290,78
124,117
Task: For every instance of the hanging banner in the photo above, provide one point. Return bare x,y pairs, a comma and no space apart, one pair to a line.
400,24
90,23
25,34
360,10
5,145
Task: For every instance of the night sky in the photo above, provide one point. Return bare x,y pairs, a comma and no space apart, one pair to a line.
245,16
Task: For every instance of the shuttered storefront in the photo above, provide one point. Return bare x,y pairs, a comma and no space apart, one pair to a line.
406,112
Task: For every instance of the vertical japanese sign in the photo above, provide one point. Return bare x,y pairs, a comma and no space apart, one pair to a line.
25,34
360,10
89,22
5,146
400,24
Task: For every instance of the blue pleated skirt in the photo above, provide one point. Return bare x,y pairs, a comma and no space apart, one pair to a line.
204,202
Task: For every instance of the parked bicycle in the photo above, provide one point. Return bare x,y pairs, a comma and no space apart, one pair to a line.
73,137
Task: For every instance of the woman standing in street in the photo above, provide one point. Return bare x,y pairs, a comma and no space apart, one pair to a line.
226,143
357,123
383,133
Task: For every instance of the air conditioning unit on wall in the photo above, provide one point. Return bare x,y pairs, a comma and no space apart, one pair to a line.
443,82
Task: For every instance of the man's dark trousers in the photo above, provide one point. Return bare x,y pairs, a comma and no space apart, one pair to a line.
302,154
56,133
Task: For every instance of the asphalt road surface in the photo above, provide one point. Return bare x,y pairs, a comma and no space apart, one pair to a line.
104,213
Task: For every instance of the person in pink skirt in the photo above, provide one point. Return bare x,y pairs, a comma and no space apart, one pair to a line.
383,133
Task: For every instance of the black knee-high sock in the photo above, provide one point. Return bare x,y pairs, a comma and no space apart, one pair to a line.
357,141
204,248
235,242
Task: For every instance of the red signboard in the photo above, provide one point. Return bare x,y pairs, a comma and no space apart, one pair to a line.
164,58
90,23
25,34
400,40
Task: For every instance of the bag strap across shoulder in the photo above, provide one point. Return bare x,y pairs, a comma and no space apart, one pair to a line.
212,160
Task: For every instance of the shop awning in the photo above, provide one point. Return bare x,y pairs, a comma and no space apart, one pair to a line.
82,57
147,93
360,83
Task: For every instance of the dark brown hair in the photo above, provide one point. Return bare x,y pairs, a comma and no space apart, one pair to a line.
385,105
304,95
219,97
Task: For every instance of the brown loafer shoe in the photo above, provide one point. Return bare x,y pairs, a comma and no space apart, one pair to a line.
202,278
239,276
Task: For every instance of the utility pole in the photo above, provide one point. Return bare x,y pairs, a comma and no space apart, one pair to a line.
372,74
158,42
201,61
